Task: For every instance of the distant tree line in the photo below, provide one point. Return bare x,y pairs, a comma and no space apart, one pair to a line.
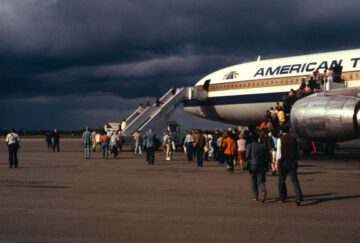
41,133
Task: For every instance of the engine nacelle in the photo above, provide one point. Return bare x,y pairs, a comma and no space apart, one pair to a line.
326,118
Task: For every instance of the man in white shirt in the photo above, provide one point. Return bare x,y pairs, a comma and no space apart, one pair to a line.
13,142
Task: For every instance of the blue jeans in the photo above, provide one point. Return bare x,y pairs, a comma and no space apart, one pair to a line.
137,148
105,150
258,179
87,150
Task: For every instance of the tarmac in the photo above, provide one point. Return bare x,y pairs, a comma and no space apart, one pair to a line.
61,197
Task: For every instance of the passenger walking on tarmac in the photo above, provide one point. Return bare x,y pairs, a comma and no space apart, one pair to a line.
215,137
105,145
98,142
210,144
93,137
150,138
229,151
206,147
287,156
199,143
56,143
121,140
220,156
167,143
241,146
138,142
113,144
257,156
13,142
189,145
87,141
48,140
274,139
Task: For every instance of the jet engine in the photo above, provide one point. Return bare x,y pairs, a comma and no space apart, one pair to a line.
326,118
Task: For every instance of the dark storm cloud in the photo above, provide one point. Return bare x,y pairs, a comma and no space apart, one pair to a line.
138,48
67,47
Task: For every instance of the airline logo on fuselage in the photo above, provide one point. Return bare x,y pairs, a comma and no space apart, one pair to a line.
300,68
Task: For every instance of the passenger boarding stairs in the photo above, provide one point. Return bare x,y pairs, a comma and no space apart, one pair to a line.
154,116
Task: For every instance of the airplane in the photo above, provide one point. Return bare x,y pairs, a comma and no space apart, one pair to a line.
241,94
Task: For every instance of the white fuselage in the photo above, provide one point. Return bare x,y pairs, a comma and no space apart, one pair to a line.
241,94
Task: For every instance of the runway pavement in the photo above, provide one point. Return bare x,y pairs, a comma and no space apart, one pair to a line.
61,197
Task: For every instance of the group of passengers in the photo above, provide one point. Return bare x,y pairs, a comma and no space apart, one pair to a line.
223,146
313,83
256,151
101,141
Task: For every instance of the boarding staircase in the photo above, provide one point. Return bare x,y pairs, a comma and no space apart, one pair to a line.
156,116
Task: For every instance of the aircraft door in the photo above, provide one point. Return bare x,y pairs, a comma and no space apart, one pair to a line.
206,85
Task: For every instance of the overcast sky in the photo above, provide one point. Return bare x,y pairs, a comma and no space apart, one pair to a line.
72,63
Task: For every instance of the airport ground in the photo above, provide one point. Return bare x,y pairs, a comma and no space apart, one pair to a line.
61,197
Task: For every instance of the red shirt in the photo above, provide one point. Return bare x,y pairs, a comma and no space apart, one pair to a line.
104,138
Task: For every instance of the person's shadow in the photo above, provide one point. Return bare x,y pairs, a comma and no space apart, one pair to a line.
315,199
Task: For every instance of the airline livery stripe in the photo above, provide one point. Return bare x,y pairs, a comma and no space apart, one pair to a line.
273,82
237,99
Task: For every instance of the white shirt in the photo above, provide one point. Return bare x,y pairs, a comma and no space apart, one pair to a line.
113,140
278,149
12,138
188,139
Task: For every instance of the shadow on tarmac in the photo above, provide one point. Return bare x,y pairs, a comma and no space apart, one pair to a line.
322,200
314,199
311,173
334,157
